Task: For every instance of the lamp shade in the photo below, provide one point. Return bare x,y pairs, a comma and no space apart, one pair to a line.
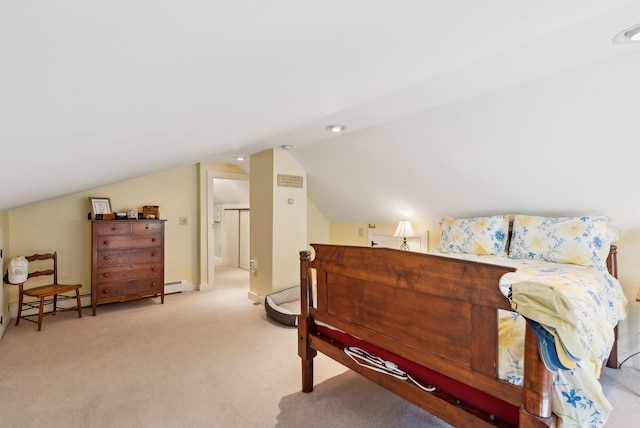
404,230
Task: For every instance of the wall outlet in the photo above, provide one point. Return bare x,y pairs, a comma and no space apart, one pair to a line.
182,221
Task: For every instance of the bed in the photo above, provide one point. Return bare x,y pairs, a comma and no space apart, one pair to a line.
447,321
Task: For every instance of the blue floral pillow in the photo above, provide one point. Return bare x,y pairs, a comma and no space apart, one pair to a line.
479,235
576,240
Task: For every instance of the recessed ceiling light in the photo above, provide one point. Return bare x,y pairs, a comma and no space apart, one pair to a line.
239,158
286,147
335,128
629,35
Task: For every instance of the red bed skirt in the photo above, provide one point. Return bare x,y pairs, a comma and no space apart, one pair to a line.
466,394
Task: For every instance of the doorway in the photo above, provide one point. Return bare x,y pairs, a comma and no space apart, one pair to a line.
229,209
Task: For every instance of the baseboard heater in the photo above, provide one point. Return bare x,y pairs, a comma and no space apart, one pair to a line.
174,287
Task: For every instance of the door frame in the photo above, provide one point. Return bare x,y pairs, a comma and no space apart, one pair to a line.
207,269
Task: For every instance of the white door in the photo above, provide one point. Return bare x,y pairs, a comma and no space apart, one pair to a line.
236,238
384,238
244,239
230,237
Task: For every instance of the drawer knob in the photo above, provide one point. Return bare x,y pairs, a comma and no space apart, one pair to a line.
153,239
113,228
147,227
106,257
153,284
105,291
106,242
154,253
153,269
106,274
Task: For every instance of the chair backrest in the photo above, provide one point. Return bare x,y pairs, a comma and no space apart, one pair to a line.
51,271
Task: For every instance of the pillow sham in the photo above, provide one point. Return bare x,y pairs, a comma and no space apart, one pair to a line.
477,235
581,241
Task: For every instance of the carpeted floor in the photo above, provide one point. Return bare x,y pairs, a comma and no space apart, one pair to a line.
203,359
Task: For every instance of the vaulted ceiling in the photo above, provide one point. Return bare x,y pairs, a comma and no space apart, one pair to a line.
457,108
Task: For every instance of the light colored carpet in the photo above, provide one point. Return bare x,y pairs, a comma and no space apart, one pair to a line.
203,359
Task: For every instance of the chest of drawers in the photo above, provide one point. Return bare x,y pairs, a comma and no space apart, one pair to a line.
127,261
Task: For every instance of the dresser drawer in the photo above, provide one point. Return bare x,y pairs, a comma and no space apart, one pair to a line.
129,289
129,241
132,256
150,285
143,226
128,272
110,291
113,228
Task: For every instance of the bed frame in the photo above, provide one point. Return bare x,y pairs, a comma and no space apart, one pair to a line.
354,288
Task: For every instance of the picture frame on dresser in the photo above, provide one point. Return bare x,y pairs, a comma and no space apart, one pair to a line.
99,206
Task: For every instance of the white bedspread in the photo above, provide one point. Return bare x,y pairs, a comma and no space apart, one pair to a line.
598,304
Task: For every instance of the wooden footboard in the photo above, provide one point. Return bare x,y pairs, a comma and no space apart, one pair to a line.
438,312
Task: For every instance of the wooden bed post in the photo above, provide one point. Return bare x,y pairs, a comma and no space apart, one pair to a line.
305,323
612,266
536,389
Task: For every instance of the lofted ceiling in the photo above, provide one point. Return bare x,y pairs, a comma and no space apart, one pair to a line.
231,192
459,108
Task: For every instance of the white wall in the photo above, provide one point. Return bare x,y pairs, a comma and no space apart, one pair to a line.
561,144
289,222
278,223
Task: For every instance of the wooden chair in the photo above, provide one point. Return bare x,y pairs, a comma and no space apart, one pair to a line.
48,291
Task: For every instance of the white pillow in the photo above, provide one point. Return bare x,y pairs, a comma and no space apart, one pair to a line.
478,235
575,240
